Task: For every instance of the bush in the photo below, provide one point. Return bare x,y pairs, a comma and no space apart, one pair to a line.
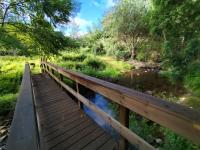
86,50
192,78
7,103
73,57
173,141
124,55
99,49
94,63
122,52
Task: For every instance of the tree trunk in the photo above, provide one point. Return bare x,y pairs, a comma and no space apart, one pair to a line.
4,16
133,53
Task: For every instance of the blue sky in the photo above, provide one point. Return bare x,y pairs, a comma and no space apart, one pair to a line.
91,12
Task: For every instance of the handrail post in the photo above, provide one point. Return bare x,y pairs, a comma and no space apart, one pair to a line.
79,102
124,120
61,79
44,67
52,71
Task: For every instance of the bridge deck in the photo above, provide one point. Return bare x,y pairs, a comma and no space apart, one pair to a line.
62,125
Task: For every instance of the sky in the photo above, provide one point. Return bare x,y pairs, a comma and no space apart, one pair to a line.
91,12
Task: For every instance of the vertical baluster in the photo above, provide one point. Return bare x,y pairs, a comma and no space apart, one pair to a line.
124,120
80,104
52,71
61,79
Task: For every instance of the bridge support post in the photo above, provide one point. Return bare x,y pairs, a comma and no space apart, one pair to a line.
124,120
80,104
61,79
52,71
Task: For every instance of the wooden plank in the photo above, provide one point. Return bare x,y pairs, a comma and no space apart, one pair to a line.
98,142
50,103
54,111
109,145
180,119
65,136
67,122
54,104
63,114
65,128
86,140
76,137
23,132
60,119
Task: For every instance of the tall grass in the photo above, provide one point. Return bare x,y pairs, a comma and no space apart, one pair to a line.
11,72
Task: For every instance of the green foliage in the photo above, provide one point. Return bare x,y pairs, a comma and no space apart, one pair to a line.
177,23
144,128
125,23
11,71
8,41
58,12
94,63
121,54
98,49
192,78
73,57
98,66
7,103
173,141
35,20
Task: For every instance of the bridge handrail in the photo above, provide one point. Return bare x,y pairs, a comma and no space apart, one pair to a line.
23,132
178,118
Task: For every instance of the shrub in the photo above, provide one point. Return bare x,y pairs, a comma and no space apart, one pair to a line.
86,50
74,57
192,78
7,103
173,141
94,63
99,49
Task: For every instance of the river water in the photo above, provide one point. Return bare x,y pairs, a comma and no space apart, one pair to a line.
151,82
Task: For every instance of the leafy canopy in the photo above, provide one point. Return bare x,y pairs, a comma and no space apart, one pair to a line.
36,19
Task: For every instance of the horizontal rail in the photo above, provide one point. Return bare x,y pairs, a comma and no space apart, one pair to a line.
23,132
180,119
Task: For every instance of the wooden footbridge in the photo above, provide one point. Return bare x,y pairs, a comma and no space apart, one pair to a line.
48,118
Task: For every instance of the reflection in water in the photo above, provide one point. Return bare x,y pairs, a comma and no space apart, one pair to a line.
150,80
101,102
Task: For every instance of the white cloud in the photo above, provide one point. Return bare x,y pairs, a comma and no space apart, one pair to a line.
95,3
76,27
110,3
80,22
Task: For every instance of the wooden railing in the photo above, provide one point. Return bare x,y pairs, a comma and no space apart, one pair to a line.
178,118
24,132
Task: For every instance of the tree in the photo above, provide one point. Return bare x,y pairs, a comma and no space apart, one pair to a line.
57,12
37,19
177,23
125,21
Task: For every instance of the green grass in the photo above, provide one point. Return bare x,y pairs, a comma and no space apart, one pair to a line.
96,66
11,72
